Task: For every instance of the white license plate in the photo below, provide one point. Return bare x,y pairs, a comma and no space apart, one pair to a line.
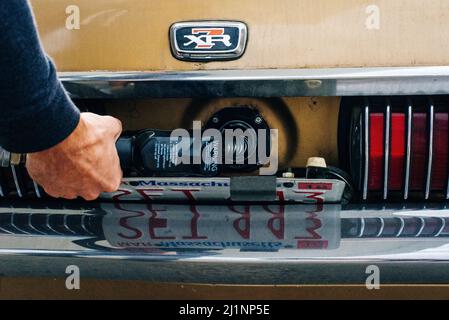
219,189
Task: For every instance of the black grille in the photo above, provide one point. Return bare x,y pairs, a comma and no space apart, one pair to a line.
15,182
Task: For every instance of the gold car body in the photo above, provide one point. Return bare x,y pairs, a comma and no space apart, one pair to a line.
133,36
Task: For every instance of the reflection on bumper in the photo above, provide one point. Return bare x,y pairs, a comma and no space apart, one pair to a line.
254,244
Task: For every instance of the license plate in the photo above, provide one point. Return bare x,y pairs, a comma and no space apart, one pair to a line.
219,189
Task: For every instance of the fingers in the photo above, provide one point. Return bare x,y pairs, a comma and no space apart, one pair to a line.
106,175
113,185
90,196
114,125
69,195
85,165
112,178
115,172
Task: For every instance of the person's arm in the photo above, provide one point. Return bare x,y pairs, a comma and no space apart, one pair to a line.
35,111
69,154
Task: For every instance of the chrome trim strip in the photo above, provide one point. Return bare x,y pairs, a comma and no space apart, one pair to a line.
37,190
276,82
430,154
83,225
11,217
16,227
5,158
30,224
382,227
401,228
366,169
423,224
47,224
66,225
362,227
5,231
146,258
409,150
447,187
387,149
16,181
447,184
443,225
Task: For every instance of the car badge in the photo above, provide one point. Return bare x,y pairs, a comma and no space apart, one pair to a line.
208,40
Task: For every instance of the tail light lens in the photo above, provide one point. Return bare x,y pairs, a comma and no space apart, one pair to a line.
396,147
440,152
376,151
419,151
396,172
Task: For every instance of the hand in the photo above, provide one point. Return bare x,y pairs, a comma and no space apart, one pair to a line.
85,164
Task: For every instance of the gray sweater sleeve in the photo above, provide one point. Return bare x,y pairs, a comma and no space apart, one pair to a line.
35,111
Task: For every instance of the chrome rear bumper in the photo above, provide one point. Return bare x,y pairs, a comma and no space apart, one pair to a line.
408,243
259,83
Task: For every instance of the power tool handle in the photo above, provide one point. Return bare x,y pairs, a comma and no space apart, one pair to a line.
125,150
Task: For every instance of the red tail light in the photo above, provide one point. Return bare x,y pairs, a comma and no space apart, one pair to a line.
440,152
399,147
376,151
396,173
419,152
